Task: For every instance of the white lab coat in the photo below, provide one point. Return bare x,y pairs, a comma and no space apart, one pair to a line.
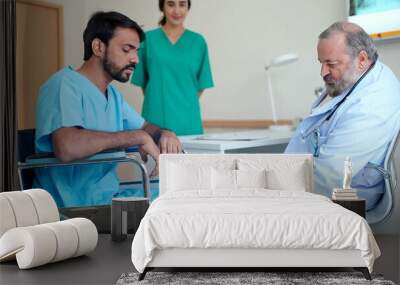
362,128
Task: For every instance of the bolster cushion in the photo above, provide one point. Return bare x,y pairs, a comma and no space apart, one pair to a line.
26,208
40,244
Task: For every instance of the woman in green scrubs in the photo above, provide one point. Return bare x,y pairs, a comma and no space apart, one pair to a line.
173,71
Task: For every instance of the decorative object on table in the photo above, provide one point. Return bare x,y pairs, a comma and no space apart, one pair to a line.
346,192
119,215
278,61
249,278
348,173
31,231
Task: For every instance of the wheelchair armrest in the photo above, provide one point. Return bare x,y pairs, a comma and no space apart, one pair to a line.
50,158
44,160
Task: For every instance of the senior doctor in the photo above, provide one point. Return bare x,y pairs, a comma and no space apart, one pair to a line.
358,115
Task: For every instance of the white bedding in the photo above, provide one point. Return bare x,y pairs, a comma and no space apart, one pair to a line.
251,218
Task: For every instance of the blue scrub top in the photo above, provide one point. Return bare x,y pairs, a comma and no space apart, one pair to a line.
361,128
69,99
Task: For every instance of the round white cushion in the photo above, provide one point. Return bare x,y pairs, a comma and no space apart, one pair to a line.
23,209
87,234
26,208
40,244
45,205
7,218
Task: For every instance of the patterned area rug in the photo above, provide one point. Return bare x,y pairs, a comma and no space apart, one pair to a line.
243,278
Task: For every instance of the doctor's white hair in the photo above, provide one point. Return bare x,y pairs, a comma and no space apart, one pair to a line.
356,38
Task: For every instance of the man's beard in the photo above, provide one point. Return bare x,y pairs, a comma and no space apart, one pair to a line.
334,88
114,72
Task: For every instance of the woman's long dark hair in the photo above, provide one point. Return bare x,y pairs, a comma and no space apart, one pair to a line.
161,7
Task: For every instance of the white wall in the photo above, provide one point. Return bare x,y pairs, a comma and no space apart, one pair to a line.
242,37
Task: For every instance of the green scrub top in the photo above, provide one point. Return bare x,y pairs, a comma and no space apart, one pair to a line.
172,75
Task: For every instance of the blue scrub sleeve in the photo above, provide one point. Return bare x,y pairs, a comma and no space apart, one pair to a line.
131,119
204,75
140,75
59,105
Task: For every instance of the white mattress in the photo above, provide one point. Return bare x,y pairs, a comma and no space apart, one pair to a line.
252,218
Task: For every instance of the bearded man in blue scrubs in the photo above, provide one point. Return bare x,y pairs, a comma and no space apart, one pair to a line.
79,113
358,115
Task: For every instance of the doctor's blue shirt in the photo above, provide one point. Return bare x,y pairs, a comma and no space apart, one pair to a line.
362,128
68,99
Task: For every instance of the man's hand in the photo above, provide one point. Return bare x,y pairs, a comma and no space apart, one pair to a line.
169,143
167,140
150,148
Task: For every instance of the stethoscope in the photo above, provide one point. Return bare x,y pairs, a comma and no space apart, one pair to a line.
314,130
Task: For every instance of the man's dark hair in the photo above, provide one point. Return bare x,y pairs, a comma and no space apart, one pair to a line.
102,26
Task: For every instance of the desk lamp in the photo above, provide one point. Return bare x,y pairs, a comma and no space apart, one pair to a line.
278,61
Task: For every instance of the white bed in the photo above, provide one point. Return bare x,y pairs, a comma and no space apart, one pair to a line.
247,211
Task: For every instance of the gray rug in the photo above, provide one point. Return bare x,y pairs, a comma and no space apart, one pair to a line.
243,278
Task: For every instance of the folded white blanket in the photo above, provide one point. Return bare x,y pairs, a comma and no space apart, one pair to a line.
252,218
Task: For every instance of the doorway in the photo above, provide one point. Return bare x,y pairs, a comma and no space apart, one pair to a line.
39,53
